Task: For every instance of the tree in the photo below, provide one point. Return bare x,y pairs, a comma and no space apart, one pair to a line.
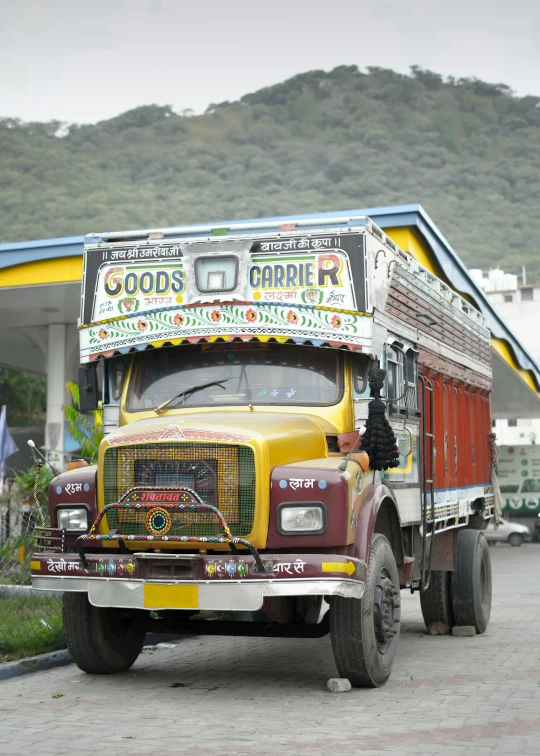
25,396
86,428
465,149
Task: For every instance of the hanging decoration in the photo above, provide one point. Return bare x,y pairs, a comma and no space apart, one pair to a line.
379,441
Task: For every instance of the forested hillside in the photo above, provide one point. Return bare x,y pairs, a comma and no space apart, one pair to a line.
468,151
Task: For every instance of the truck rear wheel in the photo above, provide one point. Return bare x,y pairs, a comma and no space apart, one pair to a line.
472,580
436,601
365,632
102,641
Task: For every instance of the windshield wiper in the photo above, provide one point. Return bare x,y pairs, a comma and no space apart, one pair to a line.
188,391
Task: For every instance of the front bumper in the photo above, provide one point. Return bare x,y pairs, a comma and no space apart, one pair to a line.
191,581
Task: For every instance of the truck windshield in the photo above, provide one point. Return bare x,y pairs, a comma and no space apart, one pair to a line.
261,374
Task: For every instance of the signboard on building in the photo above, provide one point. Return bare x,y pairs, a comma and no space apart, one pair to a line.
519,478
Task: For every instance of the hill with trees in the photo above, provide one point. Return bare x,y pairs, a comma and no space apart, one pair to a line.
468,151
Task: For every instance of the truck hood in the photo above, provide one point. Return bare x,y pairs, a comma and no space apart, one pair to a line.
287,437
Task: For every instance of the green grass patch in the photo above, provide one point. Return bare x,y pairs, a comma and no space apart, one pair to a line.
29,626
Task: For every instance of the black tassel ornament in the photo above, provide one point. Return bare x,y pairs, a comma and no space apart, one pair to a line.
379,441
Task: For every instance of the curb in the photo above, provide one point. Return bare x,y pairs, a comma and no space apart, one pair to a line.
34,664
61,658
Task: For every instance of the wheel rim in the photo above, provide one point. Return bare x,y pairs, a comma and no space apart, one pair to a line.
386,611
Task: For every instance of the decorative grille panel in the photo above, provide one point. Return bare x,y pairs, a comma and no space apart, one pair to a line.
222,475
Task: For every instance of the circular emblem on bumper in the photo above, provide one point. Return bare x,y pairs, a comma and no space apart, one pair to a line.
158,521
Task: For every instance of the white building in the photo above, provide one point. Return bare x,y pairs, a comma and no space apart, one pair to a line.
519,307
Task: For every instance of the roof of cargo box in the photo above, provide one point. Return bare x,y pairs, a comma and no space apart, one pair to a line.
25,266
414,231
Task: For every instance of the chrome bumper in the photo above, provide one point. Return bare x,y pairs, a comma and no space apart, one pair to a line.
230,595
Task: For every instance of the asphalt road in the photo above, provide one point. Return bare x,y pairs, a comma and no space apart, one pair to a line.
447,696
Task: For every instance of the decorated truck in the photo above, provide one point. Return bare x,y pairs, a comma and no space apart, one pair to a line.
297,426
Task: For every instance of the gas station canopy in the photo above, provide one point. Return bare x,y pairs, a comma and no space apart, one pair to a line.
40,293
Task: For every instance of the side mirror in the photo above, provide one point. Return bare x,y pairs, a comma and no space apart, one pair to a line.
88,388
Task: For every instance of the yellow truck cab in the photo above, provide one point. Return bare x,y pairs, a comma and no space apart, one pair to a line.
269,458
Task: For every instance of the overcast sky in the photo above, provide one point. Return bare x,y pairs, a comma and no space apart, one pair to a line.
83,61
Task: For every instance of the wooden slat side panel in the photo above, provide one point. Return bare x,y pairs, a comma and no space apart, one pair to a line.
407,306
432,361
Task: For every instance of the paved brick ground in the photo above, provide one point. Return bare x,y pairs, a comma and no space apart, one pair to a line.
447,696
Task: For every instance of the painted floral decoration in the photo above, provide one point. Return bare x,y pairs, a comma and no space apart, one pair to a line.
215,315
178,319
251,315
312,296
142,325
103,334
292,317
336,322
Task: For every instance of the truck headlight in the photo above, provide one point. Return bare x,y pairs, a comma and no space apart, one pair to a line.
301,519
72,518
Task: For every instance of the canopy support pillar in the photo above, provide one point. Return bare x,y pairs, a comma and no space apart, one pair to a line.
56,392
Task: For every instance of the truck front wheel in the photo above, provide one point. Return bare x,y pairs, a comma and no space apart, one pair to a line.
102,641
365,632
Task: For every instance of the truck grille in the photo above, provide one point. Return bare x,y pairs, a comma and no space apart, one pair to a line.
222,475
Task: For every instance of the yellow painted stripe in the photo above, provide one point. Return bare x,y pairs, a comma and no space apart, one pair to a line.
35,565
102,322
347,312
224,337
40,272
171,596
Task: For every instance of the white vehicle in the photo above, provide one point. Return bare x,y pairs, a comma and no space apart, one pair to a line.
508,532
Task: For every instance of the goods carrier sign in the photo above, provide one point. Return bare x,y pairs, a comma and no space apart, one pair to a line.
300,287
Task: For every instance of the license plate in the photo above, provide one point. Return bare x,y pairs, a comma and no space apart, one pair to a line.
171,596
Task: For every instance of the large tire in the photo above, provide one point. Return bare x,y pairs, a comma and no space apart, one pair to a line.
365,632
515,539
471,585
436,601
100,640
